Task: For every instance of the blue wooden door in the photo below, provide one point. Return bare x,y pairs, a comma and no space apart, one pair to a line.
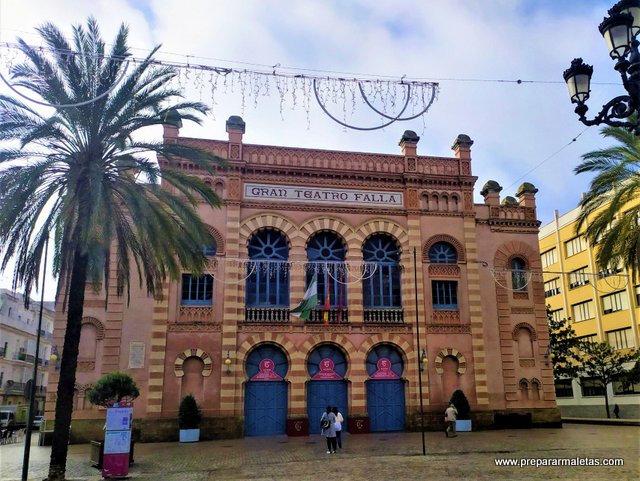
265,396
321,394
386,404
385,389
265,408
327,366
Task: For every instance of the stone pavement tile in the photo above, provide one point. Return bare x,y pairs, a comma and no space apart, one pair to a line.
372,457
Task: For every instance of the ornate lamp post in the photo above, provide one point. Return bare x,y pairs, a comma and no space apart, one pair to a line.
619,30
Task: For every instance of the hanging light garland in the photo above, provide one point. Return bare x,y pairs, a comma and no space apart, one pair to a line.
392,100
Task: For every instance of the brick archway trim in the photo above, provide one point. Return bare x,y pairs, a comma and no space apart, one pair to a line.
526,325
193,352
97,324
267,221
457,245
450,351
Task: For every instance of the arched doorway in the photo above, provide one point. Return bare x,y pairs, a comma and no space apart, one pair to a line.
265,395
327,366
385,389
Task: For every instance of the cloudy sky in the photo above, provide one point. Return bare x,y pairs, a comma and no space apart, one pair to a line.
475,50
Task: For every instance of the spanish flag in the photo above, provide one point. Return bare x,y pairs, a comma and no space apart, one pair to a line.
327,305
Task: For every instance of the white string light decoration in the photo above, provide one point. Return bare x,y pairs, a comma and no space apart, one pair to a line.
393,100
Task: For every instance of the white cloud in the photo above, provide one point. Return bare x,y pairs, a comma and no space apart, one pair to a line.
514,126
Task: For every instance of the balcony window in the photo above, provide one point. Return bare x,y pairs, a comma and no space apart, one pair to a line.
552,287
444,295
382,256
564,388
620,338
583,311
197,291
268,271
578,278
591,387
614,302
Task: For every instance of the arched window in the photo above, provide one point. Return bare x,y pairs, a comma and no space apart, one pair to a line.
326,251
382,288
211,249
524,390
443,253
518,274
268,281
525,343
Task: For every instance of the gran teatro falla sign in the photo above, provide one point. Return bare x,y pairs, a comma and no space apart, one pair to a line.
321,195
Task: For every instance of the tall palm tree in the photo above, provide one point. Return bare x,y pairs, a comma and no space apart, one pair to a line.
77,171
617,182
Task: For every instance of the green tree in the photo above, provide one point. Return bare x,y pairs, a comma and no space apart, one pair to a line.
563,350
600,361
111,388
616,183
84,176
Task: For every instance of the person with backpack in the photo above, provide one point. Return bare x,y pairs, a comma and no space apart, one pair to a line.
328,426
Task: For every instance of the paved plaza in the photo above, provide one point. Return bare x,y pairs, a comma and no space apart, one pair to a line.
370,457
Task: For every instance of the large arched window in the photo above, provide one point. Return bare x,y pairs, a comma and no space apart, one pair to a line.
326,253
268,271
211,249
381,285
518,274
443,253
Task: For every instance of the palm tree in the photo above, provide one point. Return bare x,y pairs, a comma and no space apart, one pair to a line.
76,171
617,182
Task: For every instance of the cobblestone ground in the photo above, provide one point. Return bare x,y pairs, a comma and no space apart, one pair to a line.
372,457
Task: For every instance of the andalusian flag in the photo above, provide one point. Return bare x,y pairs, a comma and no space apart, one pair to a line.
309,301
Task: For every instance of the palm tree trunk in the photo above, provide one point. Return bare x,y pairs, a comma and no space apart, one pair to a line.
66,383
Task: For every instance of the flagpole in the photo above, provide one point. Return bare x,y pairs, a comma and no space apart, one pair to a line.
415,288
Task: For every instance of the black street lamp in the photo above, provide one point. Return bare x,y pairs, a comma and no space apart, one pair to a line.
619,30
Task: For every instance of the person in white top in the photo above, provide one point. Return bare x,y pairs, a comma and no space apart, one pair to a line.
339,421
450,416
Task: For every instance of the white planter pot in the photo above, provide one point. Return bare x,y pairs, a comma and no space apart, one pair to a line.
463,425
189,435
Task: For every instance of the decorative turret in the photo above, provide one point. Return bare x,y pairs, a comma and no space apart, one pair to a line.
509,201
526,194
409,145
491,193
172,125
235,129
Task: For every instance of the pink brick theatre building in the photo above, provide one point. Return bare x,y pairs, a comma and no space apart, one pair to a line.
350,222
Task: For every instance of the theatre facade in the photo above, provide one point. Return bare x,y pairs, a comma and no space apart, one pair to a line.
419,289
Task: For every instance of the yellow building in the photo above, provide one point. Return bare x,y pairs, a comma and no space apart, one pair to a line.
600,305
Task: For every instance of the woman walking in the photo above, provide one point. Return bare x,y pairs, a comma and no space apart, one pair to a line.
328,425
339,421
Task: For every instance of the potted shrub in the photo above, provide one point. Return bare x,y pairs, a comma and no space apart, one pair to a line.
189,417
459,400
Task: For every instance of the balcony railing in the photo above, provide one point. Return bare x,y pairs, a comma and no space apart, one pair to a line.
266,315
45,334
334,316
13,387
384,316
